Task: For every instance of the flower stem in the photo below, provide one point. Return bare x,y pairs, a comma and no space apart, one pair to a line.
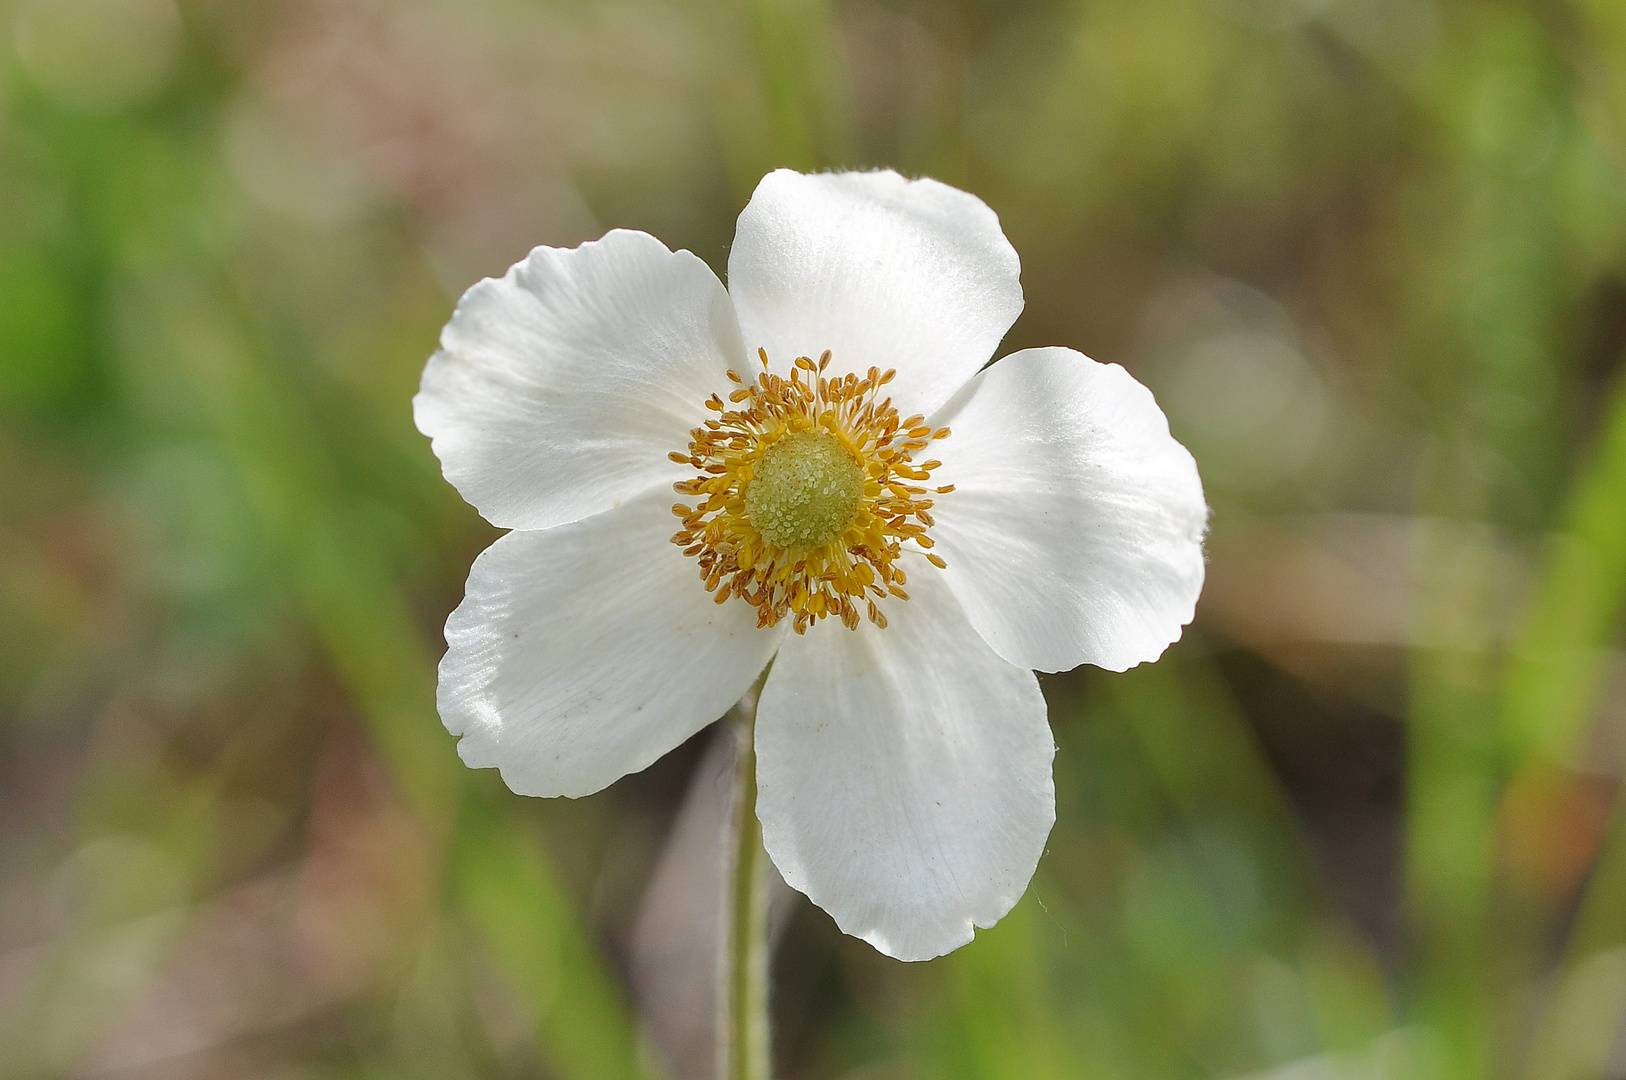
745,1029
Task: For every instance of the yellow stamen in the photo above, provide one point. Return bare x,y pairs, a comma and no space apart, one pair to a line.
801,508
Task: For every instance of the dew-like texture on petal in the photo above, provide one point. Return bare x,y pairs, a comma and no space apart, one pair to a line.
584,652
560,388
904,774
882,271
1074,534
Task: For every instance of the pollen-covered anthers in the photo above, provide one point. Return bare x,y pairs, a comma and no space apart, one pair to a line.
831,523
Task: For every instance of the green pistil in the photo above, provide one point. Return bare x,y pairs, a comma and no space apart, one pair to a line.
806,491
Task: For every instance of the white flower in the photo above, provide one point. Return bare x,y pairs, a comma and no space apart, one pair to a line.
903,750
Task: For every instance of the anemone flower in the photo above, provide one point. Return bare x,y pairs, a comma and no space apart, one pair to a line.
904,534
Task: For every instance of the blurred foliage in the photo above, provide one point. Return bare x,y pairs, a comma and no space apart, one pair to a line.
1370,254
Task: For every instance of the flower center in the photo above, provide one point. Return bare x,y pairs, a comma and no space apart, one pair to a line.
806,495
806,491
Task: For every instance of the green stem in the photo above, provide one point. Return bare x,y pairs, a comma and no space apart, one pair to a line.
746,1035
1450,804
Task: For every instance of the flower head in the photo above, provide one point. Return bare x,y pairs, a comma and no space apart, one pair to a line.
905,535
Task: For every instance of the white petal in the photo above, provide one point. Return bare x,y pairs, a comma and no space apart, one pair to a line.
904,774
882,271
584,652
1074,533
559,389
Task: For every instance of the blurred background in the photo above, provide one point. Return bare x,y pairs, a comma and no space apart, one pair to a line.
1359,823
